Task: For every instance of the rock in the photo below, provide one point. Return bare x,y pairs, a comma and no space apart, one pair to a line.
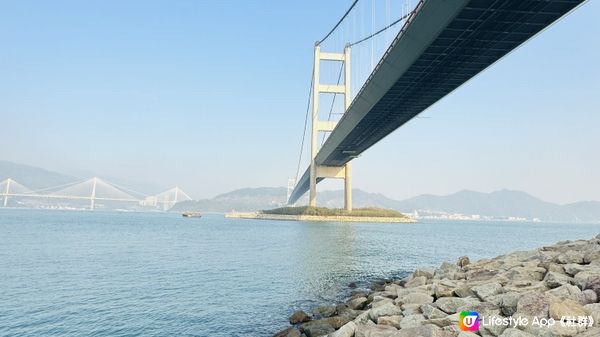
289,332
379,301
390,320
444,288
464,291
487,290
363,318
299,317
587,296
415,298
337,321
555,280
416,282
410,309
594,311
357,303
345,331
325,310
374,331
317,328
566,308
427,330
387,309
593,283
573,268
565,291
467,334
570,256
411,321
585,278
492,330
451,304
508,303
512,332
426,272
431,312
463,261
446,271
534,305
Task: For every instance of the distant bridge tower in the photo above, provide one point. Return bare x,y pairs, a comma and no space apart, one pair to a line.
7,191
320,171
93,195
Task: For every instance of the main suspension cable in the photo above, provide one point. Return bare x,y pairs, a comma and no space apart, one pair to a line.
339,22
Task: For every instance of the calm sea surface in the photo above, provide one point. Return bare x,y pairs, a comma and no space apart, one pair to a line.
143,274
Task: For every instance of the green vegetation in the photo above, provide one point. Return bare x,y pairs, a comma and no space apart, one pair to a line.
324,211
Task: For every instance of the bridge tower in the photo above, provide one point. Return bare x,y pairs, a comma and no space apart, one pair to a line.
320,171
7,191
93,195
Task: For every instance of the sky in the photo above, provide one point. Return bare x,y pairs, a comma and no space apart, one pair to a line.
211,96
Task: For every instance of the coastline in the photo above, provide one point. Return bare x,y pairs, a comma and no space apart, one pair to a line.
551,291
282,217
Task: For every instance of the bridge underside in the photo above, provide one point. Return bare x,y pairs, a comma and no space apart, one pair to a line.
443,45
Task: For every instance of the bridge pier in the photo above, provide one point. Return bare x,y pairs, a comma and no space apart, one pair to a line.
319,171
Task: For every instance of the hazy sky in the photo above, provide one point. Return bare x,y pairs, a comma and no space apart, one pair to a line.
211,95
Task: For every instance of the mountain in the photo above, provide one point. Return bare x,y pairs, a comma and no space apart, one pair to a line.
498,204
33,177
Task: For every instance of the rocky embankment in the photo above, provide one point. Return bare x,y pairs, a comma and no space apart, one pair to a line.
551,291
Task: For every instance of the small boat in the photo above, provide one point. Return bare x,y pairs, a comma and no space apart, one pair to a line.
191,214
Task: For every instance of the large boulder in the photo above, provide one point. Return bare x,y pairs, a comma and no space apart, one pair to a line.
555,280
567,307
345,331
357,303
431,312
415,298
450,305
375,331
534,305
594,311
289,332
388,309
411,321
512,332
317,328
416,282
390,320
299,317
487,290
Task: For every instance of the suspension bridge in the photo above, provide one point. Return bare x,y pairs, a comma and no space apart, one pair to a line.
89,193
404,65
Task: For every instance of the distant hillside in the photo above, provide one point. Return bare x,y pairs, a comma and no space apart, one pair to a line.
499,204
32,177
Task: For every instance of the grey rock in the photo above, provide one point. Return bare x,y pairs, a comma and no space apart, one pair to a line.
564,308
487,290
325,310
374,331
415,298
431,312
317,328
426,272
555,280
427,330
534,304
451,304
587,296
387,309
390,320
570,256
357,303
512,332
410,309
411,321
594,311
299,317
345,331
289,332
416,282
463,261
508,303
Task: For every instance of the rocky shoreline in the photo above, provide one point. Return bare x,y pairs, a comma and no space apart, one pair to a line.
551,291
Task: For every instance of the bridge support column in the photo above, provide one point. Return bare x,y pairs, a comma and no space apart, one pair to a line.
317,171
6,192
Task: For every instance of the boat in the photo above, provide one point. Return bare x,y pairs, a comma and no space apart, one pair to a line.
191,214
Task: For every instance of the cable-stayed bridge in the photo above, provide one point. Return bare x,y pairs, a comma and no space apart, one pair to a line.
432,48
90,193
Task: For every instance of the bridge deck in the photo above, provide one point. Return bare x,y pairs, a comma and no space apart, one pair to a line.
443,45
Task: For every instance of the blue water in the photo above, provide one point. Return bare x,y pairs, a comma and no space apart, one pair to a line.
143,274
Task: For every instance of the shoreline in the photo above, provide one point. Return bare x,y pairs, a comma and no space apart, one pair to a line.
321,218
520,294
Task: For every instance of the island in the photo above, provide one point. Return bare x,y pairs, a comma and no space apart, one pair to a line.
307,213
